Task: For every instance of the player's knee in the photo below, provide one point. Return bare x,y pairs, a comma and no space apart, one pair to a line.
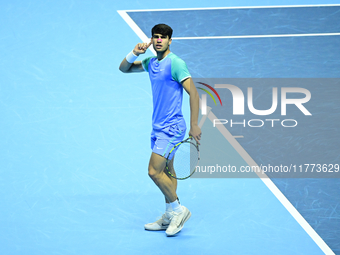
153,173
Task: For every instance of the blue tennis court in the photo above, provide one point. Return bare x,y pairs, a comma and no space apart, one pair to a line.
76,132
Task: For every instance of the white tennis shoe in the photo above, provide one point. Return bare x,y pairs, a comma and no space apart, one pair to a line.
161,224
177,221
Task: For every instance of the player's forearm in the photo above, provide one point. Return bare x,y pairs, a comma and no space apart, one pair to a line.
125,66
194,106
128,64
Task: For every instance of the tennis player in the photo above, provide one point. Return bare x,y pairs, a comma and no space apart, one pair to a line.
168,75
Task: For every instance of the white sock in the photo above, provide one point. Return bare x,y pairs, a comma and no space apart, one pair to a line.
168,207
176,206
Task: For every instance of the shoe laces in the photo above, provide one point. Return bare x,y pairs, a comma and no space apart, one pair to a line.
174,218
168,215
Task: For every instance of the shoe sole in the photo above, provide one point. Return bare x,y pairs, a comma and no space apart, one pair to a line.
179,229
149,229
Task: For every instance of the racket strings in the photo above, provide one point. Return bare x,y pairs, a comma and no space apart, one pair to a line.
185,160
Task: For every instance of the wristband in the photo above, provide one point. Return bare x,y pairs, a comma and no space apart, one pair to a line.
131,57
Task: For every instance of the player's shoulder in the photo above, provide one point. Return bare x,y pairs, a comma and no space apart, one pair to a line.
175,58
146,61
176,61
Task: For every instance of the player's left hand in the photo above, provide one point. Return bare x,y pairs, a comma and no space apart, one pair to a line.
196,133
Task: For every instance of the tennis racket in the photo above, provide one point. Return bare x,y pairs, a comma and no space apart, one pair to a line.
185,159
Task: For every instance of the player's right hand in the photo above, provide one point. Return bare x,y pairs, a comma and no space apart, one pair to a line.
141,48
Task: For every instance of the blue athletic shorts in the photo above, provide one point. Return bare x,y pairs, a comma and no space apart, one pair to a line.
162,141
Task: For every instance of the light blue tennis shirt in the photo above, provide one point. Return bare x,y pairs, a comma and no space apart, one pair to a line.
166,77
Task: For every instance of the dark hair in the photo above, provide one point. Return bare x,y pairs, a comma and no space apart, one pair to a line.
162,29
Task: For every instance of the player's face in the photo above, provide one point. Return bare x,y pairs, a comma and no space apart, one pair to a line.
161,42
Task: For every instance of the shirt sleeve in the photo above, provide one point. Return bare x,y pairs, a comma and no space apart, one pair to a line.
145,63
179,70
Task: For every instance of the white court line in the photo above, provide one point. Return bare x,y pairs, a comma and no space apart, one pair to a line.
140,33
271,186
238,136
136,28
232,7
252,36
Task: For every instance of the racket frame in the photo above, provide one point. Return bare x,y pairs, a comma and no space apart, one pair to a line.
192,171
